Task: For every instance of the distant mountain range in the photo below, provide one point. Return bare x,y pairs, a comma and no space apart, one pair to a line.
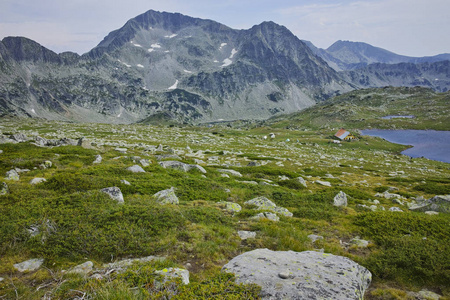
168,66
346,55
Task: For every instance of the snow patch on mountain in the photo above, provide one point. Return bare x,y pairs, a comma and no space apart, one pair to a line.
174,86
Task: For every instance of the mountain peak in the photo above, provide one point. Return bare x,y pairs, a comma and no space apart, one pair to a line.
24,49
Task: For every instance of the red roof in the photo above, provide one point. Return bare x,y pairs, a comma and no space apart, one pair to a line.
342,133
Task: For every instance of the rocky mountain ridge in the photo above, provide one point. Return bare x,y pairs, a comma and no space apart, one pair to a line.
168,66
347,55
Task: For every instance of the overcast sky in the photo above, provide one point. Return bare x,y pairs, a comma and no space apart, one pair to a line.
408,27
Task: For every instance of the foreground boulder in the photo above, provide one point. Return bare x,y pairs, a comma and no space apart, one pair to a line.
300,275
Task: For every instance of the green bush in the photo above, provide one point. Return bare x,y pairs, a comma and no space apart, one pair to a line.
433,188
220,286
413,246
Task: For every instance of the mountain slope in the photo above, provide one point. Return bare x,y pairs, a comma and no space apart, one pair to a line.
190,69
367,108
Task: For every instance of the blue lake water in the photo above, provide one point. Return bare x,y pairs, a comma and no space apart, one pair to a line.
431,144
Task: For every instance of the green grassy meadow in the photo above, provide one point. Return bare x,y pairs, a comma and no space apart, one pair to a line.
408,251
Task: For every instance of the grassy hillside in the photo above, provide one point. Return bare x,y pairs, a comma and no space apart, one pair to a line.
408,251
363,109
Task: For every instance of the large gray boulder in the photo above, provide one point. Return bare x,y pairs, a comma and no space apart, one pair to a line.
171,164
167,196
115,193
340,199
440,203
300,275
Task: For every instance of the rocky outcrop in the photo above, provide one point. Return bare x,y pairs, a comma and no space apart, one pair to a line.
300,275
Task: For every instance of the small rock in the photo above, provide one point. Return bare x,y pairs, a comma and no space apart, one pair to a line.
285,275
115,193
29,265
395,208
225,175
12,175
124,264
231,172
175,273
121,150
301,181
246,234
4,189
359,243
125,182
48,164
83,142
262,203
283,178
231,206
167,196
97,276
340,199
37,180
144,162
314,237
98,159
430,212
180,166
83,269
266,215
429,295
136,169
324,183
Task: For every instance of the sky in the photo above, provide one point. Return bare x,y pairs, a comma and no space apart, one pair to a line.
406,27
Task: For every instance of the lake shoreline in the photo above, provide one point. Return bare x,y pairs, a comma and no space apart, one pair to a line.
431,144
